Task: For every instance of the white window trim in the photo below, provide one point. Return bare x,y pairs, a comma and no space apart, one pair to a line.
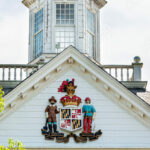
67,2
95,21
42,29
64,25
93,34
94,46
38,8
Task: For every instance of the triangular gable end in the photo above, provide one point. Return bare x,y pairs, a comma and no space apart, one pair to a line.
94,74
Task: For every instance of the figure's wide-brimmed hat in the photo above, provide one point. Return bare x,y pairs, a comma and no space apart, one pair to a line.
52,99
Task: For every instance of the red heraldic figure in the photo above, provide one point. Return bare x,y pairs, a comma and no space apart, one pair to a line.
51,111
89,114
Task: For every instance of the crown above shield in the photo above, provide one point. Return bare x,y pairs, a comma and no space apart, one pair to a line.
70,99
66,100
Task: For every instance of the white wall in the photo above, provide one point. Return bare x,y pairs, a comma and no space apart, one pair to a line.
120,129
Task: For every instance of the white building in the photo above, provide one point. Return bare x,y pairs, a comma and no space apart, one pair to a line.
116,91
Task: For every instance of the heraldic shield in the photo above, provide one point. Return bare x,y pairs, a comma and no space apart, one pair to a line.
71,119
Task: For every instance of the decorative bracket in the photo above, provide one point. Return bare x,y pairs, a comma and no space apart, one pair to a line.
82,138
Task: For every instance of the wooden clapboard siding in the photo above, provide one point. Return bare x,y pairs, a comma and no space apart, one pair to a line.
120,129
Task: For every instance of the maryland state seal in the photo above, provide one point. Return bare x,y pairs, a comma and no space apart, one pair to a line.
73,117
71,113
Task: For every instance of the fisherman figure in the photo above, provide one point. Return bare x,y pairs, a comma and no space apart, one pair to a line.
89,115
51,111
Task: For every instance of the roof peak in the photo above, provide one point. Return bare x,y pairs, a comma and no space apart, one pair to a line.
78,62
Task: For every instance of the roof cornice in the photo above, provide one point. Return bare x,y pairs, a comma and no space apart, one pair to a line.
28,3
100,3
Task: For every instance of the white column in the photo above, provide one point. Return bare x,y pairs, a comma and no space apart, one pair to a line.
137,69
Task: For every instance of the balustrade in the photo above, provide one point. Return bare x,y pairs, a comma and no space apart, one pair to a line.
20,72
14,72
120,72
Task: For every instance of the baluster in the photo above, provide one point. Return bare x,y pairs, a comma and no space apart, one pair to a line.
127,74
109,70
15,73
20,74
9,74
3,76
27,73
32,70
121,74
116,75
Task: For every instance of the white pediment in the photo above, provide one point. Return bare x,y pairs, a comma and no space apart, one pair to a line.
72,59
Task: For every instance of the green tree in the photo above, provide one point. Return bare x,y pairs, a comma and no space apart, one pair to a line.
2,100
12,145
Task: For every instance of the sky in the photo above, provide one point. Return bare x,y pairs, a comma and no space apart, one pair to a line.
125,33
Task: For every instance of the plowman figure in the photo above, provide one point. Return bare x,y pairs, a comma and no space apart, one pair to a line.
89,114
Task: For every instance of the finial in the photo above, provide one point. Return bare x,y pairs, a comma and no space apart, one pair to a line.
137,59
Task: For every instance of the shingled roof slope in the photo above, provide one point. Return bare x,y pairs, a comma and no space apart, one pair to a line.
145,96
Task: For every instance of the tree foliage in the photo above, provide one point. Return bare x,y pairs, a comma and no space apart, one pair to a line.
13,145
2,100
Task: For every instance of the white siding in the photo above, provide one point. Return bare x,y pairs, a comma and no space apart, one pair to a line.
119,128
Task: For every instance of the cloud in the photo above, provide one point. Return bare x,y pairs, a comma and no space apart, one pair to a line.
125,33
14,36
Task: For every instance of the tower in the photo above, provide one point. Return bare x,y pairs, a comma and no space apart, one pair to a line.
56,24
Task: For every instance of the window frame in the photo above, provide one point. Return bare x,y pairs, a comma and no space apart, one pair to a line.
61,2
57,26
67,35
36,33
91,33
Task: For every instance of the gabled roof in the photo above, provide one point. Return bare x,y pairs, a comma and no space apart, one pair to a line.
93,72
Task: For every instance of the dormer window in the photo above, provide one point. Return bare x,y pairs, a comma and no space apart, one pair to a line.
38,33
65,28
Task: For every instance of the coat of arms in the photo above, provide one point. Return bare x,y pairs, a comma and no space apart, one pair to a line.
72,116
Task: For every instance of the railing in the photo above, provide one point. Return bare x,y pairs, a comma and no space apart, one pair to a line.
14,72
9,72
120,72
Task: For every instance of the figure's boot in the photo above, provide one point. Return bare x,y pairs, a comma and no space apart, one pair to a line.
44,129
55,128
50,128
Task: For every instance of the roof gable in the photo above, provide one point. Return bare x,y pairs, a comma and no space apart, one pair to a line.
72,58
120,129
